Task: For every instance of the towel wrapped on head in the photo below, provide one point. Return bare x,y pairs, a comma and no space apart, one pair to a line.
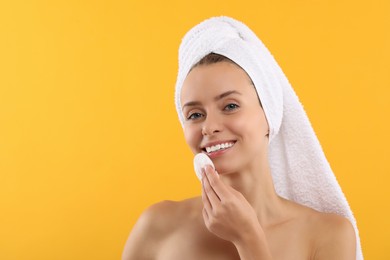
299,168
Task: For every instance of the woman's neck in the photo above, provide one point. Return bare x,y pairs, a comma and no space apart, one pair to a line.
256,184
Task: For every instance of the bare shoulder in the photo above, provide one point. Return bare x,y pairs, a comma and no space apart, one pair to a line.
334,235
154,225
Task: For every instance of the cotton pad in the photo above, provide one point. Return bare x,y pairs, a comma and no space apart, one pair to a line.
200,161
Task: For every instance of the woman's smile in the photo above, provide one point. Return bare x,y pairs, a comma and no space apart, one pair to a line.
216,149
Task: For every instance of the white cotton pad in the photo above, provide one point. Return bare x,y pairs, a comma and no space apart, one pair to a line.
200,161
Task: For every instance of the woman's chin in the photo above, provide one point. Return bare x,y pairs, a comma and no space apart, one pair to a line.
223,171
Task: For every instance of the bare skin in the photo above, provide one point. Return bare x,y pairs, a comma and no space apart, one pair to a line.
239,215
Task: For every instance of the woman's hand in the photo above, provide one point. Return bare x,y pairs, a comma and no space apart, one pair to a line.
226,212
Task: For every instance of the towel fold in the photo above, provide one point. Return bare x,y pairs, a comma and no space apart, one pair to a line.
299,168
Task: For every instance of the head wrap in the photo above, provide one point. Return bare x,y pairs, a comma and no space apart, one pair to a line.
299,168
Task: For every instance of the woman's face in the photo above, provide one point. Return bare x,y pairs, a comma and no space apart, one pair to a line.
223,116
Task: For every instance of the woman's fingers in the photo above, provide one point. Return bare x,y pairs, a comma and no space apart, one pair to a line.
216,183
206,217
205,199
209,192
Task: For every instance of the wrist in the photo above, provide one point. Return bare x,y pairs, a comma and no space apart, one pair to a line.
253,245
249,235
248,238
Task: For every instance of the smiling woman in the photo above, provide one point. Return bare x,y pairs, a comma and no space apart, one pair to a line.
272,194
227,111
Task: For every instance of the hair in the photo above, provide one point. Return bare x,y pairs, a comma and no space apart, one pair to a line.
213,58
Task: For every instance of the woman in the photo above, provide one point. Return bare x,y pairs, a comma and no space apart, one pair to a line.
272,193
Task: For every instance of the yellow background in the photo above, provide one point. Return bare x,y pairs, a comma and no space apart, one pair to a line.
89,135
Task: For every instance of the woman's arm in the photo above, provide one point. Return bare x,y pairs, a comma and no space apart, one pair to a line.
337,240
253,246
137,241
150,229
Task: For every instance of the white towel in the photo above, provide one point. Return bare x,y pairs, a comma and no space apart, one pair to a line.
299,168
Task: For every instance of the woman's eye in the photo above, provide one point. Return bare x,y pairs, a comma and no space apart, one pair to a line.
231,106
194,116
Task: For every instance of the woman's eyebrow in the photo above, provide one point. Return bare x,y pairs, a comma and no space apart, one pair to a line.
225,94
190,104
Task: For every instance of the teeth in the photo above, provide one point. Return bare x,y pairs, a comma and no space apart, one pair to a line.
218,147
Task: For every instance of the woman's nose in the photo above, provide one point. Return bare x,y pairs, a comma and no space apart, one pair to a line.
211,125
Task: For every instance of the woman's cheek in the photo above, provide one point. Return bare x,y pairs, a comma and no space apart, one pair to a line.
192,137
239,123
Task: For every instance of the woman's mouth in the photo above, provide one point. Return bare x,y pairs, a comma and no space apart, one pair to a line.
218,147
